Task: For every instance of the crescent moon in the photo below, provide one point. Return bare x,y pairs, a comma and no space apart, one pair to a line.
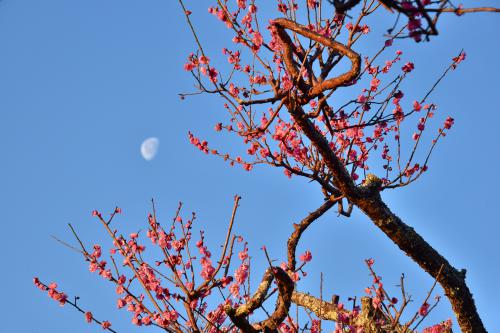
149,148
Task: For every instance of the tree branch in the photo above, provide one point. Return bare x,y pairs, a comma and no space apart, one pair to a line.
281,24
368,199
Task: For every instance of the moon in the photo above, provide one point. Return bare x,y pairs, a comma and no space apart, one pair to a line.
149,148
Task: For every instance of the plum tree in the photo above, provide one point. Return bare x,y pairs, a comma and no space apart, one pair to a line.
280,91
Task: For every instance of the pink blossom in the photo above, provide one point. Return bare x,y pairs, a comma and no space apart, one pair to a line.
408,67
242,4
458,59
257,40
233,90
225,281
282,8
312,3
189,66
212,74
106,324
234,289
421,126
443,327
208,270
97,252
203,60
306,256
120,289
417,106
121,303
287,84
362,98
243,254
449,122
146,320
424,309
241,273
374,83
365,29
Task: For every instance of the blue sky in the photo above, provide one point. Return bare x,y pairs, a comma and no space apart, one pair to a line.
83,83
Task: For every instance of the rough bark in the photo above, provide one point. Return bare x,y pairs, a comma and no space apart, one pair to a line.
366,319
367,197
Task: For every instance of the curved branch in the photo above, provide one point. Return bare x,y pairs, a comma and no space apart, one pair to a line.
285,288
301,227
238,316
258,297
281,24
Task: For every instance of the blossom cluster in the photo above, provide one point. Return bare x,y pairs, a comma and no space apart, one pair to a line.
151,294
183,299
256,92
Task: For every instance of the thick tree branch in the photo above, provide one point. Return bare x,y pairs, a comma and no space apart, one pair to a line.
368,199
285,290
258,297
324,310
321,308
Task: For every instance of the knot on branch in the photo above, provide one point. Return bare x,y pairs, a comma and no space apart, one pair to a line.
372,184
